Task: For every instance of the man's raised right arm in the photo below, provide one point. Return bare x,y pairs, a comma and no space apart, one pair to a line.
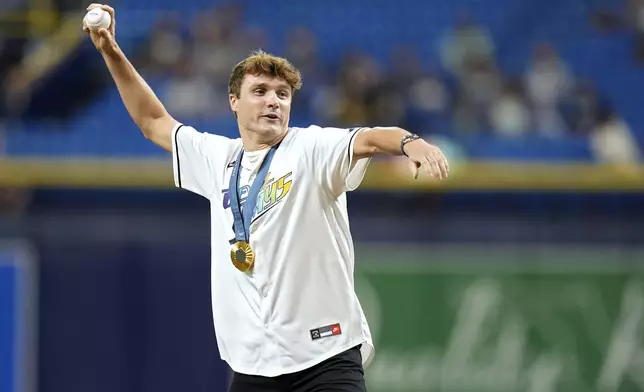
142,104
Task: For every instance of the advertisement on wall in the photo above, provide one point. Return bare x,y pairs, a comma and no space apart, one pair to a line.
488,319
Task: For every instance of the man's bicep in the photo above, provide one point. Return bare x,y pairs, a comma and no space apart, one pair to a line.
159,131
334,161
362,146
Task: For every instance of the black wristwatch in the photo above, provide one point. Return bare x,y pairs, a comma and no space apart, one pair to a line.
408,138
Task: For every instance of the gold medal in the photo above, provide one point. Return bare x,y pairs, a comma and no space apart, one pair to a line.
242,256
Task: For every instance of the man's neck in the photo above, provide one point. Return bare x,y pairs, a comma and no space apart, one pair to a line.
252,144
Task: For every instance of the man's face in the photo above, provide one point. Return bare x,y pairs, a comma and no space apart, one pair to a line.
263,105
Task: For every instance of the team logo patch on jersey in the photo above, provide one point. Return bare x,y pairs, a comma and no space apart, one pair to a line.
325,332
273,191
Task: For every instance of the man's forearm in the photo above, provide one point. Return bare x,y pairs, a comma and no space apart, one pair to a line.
397,141
140,101
375,141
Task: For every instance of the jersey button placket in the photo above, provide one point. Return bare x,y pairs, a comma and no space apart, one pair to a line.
265,304
265,316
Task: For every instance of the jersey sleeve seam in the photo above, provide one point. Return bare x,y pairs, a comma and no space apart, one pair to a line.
349,147
176,146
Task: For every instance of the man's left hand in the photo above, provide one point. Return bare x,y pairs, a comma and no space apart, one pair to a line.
430,157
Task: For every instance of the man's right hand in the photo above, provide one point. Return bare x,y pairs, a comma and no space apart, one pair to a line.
103,39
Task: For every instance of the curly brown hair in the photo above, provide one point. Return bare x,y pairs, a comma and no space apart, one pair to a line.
262,63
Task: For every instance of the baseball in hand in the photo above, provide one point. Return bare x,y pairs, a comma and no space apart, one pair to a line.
97,19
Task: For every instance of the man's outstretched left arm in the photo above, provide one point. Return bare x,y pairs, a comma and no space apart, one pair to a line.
397,141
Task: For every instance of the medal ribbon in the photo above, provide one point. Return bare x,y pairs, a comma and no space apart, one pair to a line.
242,222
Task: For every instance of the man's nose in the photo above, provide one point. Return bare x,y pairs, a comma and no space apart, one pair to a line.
272,101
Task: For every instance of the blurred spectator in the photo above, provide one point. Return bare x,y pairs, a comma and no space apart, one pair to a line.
228,16
386,107
199,61
166,47
388,101
635,19
478,87
220,43
612,140
430,94
467,53
467,43
248,39
302,50
406,68
189,94
606,21
548,81
346,104
429,100
213,51
580,108
510,114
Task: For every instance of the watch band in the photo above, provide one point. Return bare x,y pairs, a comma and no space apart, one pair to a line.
406,139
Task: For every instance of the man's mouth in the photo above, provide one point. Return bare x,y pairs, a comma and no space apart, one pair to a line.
271,116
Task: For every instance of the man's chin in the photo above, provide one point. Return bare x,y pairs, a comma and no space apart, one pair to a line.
270,130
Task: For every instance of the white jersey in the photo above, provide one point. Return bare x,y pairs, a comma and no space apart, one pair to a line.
298,306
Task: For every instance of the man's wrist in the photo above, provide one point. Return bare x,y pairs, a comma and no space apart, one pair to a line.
410,137
113,53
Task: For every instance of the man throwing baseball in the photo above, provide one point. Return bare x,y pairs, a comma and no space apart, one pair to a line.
284,307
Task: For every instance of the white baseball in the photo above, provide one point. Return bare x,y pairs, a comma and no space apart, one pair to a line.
97,19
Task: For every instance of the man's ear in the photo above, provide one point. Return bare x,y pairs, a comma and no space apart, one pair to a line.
232,99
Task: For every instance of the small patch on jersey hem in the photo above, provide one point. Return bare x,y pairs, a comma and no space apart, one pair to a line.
326,331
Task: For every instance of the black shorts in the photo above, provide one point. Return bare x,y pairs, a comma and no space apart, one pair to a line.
341,373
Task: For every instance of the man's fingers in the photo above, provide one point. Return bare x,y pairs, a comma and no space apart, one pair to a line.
442,164
429,168
94,5
105,34
431,159
443,168
435,168
413,166
110,10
